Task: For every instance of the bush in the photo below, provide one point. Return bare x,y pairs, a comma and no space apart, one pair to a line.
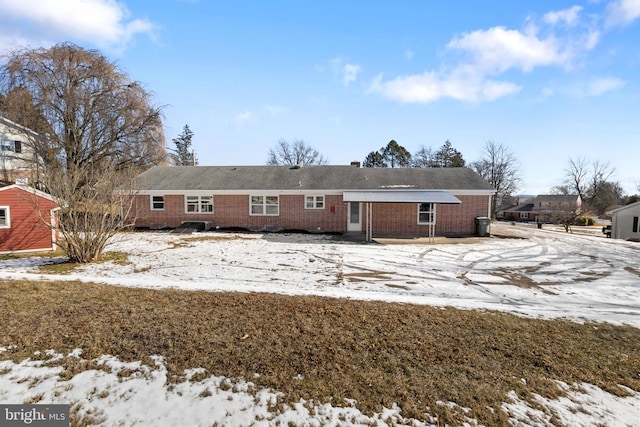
585,220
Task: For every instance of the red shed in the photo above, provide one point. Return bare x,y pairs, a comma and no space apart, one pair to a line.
26,216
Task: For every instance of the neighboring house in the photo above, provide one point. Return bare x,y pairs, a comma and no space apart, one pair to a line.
624,222
542,208
17,157
407,202
26,215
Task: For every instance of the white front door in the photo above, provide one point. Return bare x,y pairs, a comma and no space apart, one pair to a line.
354,221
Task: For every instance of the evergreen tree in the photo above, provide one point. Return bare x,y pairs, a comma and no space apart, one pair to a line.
374,160
183,155
395,155
449,157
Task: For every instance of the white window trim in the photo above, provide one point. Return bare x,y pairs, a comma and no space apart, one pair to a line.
264,205
524,215
197,212
432,211
7,217
164,201
315,201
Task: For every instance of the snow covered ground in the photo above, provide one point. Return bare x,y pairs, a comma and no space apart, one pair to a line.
542,273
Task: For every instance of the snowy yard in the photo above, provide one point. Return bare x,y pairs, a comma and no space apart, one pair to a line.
546,273
540,273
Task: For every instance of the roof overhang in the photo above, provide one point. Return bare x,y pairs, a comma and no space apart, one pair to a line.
400,196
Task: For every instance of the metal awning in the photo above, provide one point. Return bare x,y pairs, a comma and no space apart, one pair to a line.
400,196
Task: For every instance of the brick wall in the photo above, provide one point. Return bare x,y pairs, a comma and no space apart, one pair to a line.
401,219
389,219
233,211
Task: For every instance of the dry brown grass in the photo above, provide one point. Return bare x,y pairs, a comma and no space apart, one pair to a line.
377,353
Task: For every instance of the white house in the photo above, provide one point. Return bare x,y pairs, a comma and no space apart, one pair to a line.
17,157
625,222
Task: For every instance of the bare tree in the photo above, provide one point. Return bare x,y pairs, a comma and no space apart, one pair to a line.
591,181
425,157
92,110
295,153
566,217
94,205
576,176
499,167
100,127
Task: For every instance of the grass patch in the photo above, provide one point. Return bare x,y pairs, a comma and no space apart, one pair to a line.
66,267
41,254
325,349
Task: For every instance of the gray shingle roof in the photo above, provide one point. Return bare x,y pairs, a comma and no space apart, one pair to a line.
244,178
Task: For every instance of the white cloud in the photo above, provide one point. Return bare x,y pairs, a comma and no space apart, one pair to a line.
596,86
498,49
350,72
599,86
479,58
243,118
622,12
347,72
430,86
107,23
570,16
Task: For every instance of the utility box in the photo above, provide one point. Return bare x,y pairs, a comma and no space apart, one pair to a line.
483,226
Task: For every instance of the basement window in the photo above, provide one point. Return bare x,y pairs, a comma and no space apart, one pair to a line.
265,205
157,203
199,204
426,213
4,217
314,202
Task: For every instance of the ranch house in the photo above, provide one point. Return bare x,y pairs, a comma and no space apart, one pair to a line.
380,202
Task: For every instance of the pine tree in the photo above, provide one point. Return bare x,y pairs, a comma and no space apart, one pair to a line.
184,155
395,155
374,160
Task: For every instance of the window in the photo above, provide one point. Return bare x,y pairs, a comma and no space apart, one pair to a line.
635,224
199,204
13,146
314,202
157,203
4,217
524,215
264,205
426,213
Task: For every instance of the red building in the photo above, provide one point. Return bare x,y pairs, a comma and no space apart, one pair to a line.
394,202
26,216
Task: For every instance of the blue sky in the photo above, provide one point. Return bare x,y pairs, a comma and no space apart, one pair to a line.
550,80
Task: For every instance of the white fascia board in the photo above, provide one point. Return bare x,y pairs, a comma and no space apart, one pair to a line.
237,192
